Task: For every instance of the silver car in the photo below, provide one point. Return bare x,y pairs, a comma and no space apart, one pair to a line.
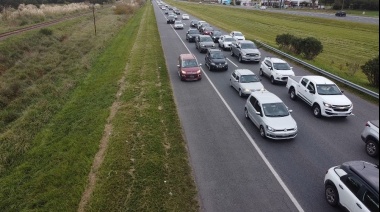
245,82
270,115
178,25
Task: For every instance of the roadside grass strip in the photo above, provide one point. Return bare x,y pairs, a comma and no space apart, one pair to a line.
345,43
146,166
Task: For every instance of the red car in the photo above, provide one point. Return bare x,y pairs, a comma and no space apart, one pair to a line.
207,30
188,68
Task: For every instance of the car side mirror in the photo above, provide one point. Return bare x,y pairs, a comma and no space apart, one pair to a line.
312,91
258,113
290,111
291,67
342,91
200,64
178,66
271,68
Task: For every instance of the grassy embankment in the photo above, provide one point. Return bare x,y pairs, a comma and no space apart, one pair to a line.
56,92
345,43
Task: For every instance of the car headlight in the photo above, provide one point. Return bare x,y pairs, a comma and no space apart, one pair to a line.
295,128
199,71
213,45
270,128
246,90
212,64
327,105
203,45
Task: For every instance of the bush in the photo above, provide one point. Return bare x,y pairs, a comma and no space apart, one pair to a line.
311,47
296,45
284,40
124,9
46,31
371,70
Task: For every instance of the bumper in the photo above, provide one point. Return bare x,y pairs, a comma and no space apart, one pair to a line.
329,112
281,135
219,67
191,77
250,58
281,79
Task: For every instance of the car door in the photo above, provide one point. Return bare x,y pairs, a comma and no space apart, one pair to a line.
235,81
250,102
348,190
207,59
256,118
310,93
220,41
370,200
267,68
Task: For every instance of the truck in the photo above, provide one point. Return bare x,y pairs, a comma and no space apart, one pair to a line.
322,94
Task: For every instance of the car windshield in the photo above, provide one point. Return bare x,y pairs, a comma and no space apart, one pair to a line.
281,66
195,31
248,46
275,110
238,34
249,78
229,39
178,22
216,33
189,63
185,15
217,55
206,39
328,89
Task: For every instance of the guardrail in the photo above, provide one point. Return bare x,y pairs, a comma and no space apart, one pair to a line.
334,77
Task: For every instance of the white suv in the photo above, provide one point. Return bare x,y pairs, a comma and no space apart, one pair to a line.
270,115
276,69
237,35
353,185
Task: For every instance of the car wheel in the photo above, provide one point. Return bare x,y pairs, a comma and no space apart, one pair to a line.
372,148
261,72
232,53
241,93
292,94
262,132
332,195
240,59
272,80
246,113
317,111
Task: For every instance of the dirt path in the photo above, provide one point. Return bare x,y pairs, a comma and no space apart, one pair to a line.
99,157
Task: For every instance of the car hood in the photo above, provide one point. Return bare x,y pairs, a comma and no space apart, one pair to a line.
191,69
252,86
192,35
227,42
250,51
218,60
280,123
239,37
285,72
336,99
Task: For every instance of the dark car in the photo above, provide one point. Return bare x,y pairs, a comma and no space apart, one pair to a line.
207,30
193,23
215,60
202,26
340,14
177,12
166,12
191,35
215,35
203,42
171,19
188,68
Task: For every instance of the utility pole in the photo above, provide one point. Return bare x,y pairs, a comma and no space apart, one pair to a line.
342,4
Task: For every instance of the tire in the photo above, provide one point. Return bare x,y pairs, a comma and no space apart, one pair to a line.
240,59
292,94
272,80
261,72
262,132
246,113
232,53
331,195
317,111
372,148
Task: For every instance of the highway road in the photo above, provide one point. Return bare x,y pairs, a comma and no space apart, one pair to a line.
233,167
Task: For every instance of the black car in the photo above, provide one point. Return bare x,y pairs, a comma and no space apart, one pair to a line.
215,60
340,14
215,35
193,23
171,19
191,35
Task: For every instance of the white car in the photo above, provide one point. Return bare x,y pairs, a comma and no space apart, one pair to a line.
237,35
270,115
276,69
185,17
245,82
225,41
178,25
354,185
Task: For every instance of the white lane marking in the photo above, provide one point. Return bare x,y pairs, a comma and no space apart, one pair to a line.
266,161
232,63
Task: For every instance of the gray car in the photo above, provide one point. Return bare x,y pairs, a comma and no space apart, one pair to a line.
245,82
270,115
203,42
370,136
245,50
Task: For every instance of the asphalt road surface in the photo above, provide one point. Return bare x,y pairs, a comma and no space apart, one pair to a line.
237,170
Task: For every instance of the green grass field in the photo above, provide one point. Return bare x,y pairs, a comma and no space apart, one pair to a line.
345,44
57,97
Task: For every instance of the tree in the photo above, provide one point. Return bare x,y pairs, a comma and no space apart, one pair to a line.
371,70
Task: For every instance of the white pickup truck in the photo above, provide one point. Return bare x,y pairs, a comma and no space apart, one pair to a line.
322,94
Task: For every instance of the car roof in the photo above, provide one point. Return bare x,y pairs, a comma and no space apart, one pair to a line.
367,171
204,35
236,32
227,36
245,41
276,60
319,79
265,96
186,56
244,72
213,50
